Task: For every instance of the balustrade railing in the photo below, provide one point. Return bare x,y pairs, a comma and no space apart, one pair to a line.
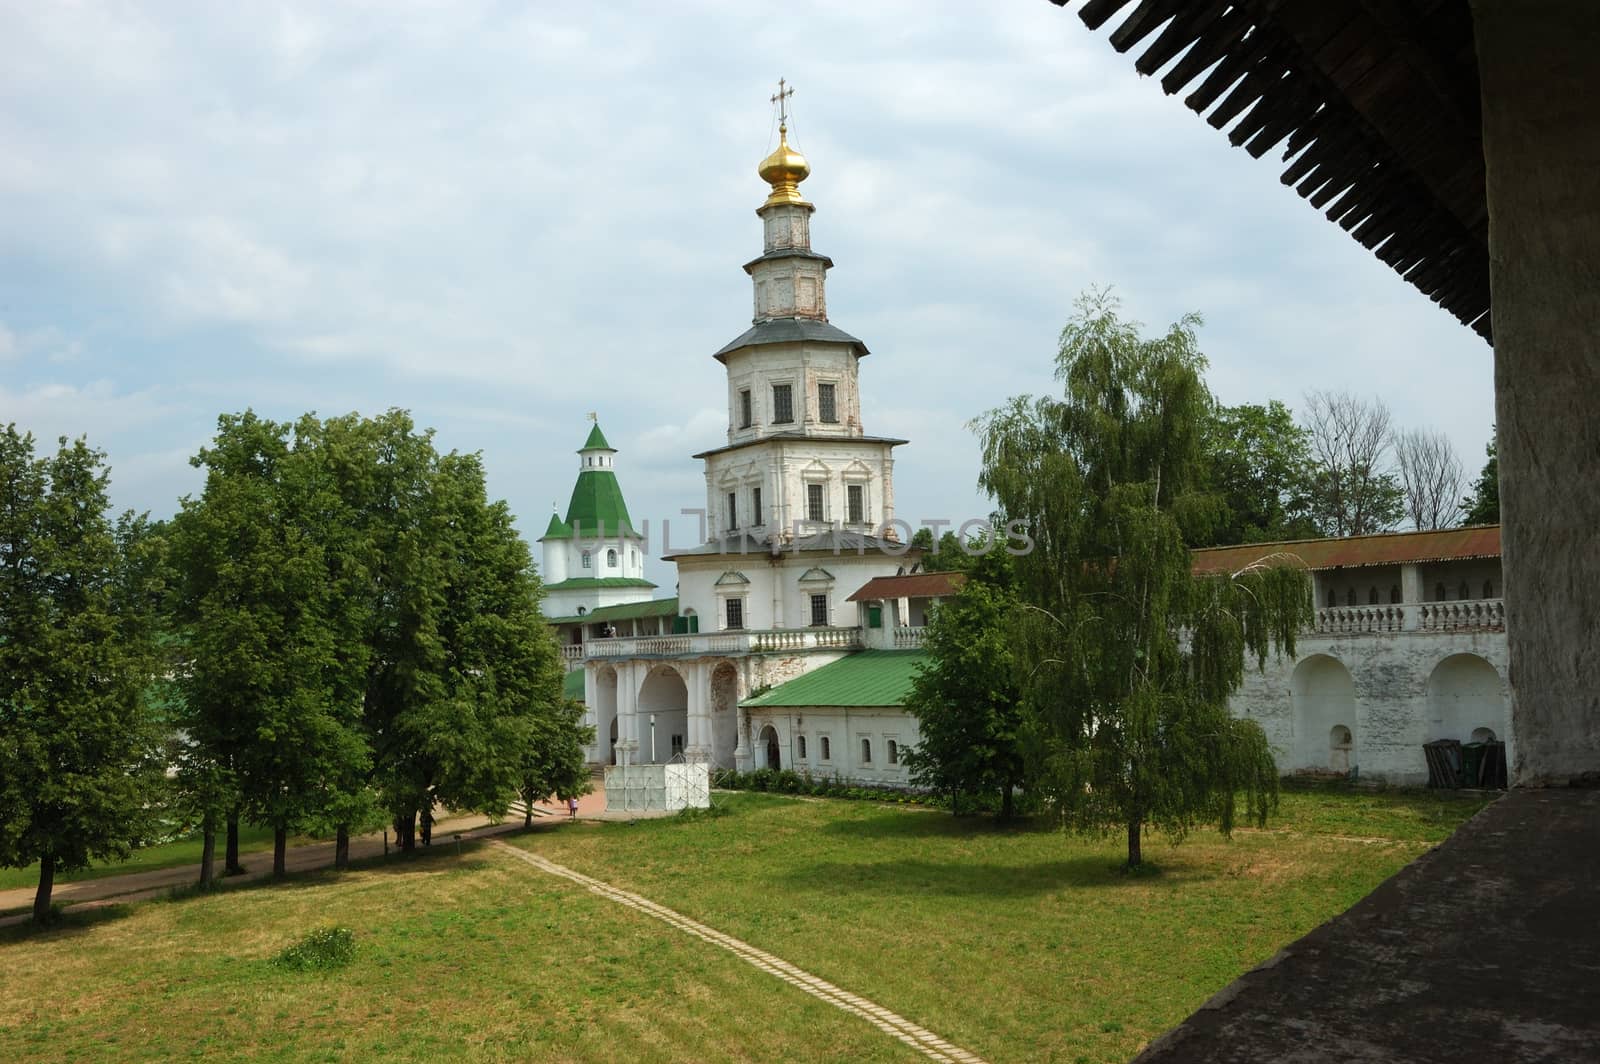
907,637
772,641
1346,619
1468,615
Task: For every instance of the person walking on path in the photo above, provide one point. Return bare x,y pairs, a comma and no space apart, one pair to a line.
572,808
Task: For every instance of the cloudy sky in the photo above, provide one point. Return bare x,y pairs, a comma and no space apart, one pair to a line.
501,216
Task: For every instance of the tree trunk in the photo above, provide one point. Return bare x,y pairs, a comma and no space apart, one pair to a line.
1008,808
1135,831
405,832
208,851
280,852
230,862
527,815
341,847
47,883
427,825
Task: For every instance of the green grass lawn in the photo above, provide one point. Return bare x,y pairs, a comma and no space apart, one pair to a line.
1018,944
149,859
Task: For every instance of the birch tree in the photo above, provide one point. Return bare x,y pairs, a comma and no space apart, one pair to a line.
1127,657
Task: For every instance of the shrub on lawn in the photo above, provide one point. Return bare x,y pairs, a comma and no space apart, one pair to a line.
322,950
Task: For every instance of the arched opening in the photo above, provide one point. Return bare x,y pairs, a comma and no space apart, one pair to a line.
611,559
1465,696
663,698
724,713
767,742
1372,596
1394,593
1340,745
1323,698
800,746
1483,735
866,751
605,714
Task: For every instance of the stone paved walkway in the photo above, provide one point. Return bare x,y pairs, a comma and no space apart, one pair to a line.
922,1040
1486,948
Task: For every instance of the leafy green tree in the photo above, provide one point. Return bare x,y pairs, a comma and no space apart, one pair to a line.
274,667
553,759
78,762
1259,462
1482,507
967,698
464,678
1127,655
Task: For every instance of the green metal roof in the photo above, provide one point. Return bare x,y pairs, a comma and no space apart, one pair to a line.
596,502
866,678
556,529
572,686
623,611
589,583
596,441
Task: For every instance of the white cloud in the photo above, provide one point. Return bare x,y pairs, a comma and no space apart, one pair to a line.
503,217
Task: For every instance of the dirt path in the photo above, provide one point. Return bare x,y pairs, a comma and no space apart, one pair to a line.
139,886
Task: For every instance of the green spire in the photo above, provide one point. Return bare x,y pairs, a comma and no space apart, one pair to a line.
556,529
597,501
596,440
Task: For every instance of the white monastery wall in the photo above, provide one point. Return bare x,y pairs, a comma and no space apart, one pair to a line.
852,744
1392,690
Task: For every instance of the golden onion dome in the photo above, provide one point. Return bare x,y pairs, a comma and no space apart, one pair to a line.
784,169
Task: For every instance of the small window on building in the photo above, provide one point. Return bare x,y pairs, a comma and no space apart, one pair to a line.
611,559
735,612
677,744
866,751
814,502
826,753
1394,593
894,752
756,517
587,564
800,746
1464,592
782,403
827,408
744,409
1350,597
1488,589
733,510
1372,596
1439,593
856,503
819,611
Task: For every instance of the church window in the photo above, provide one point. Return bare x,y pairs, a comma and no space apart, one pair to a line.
756,517
586,561
801,741
1488,589
735,612
744,409
819,611
1439,594
782,403
827,408
814,502
1394,593
826,754
733,511
856,503
866,751
894,752
1350,596
611,559
1372,596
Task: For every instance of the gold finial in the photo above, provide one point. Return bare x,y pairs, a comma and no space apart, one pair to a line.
594,416
785,168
